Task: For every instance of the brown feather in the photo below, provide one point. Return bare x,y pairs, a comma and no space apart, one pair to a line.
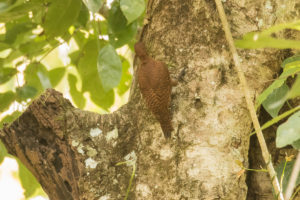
155,85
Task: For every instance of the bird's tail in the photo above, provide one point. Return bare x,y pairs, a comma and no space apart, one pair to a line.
166,124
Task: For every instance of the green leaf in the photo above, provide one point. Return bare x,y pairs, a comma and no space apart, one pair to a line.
265,38
264,95
103,26
101,98
80,39
296,144
12,56
83,17
87,65
75,56
276,84
132,9
20,11
6,99
256,40
60,16
36,75
93,5
25,92
87,69
279,27
116,19
293,61
77,96
290,71
6,73
34,47
288,132
21,31
109,67
4,46
43,76
3,152
56,75
9,118
275,100
2,60
4,6
126,77
33,79
287,174
123,37
277,119
295,91
119,31
28,181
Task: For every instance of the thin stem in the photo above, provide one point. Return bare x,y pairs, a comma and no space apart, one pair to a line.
256,170
129,162
48,52
265,153
54,47
293,178
282,174
295,193
277,119
130,182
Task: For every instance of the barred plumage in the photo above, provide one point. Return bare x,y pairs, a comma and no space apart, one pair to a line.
155,85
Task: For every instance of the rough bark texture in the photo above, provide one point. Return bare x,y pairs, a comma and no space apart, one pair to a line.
74,153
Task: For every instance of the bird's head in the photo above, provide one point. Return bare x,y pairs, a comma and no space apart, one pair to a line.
140,50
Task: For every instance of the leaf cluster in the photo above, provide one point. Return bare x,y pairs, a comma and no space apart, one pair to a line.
30,31
97,37
279,92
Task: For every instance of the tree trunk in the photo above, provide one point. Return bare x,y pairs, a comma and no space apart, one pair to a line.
74,153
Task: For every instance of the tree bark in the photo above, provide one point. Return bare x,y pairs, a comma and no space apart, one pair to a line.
74,153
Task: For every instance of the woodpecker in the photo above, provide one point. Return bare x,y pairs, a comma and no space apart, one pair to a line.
155,85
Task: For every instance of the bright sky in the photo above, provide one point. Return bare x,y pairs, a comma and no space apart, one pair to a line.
10,187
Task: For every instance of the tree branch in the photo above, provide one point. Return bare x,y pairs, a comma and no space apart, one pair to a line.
55,140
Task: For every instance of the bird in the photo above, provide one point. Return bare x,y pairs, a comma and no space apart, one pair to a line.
155,86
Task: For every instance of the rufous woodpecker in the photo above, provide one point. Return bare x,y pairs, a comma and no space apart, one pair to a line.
155,85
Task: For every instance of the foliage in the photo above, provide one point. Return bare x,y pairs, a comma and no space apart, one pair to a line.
33,33
284,170
31,186
3,152
266,38
30,31
291,67
278,93
277,119
288,132
109,67
274,102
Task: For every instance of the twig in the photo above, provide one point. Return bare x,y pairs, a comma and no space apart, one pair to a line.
129,162
295,193
265,153
293,178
